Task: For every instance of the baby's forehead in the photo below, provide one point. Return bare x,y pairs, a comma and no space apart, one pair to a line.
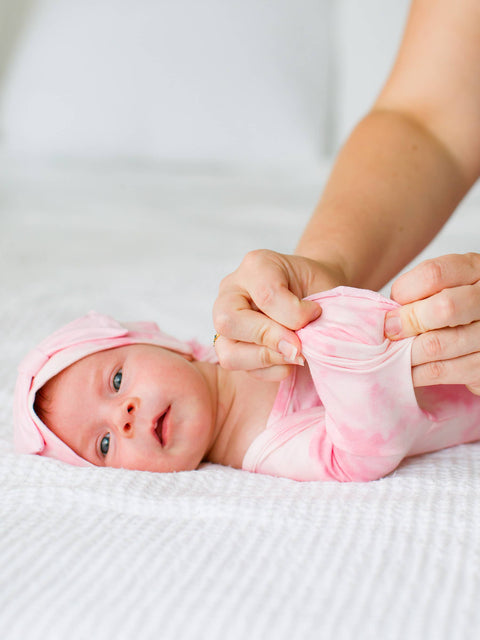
104,356
82,370
83,366
99,358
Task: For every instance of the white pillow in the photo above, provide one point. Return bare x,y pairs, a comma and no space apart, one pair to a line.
174,79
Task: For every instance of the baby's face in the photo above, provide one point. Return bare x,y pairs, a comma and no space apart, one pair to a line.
137,407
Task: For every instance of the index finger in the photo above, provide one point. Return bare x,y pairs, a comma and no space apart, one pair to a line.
449,308
431,276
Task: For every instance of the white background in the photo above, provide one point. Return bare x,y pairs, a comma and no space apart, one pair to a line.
252,82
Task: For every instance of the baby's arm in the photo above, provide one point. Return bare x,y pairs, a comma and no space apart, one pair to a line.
373,416
360,417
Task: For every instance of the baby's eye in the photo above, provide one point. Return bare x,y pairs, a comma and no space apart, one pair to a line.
104,444
117,380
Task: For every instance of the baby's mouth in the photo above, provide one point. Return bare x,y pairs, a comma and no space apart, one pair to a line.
159,429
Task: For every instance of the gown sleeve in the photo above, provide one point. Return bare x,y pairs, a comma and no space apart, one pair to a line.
373,416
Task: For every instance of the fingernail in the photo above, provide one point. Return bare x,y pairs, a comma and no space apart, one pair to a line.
393,326
288,351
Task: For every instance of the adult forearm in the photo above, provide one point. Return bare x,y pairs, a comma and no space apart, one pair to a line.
392,188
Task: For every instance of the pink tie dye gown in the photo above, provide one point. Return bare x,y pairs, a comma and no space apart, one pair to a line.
352,414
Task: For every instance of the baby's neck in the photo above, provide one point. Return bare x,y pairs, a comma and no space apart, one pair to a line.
243,407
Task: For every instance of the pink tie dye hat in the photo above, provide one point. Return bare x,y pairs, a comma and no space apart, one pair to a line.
76,340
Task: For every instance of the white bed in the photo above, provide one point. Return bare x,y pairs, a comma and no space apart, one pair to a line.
215,553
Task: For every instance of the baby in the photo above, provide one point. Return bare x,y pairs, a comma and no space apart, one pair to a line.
102,393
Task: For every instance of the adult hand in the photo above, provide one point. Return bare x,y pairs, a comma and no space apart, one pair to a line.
441,304
259,307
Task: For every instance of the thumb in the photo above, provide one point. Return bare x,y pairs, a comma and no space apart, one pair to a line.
286,309
309,311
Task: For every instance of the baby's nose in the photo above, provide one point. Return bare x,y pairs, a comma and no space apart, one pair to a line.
127,417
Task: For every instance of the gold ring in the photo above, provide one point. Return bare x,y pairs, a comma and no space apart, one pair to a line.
215,338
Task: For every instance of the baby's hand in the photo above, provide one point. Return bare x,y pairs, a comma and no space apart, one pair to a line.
441,304
259,307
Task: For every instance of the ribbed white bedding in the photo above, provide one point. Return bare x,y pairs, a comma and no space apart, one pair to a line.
215,553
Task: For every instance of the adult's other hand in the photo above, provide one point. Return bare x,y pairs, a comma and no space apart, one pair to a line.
440,301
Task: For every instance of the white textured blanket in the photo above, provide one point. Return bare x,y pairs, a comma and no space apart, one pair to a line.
215,553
